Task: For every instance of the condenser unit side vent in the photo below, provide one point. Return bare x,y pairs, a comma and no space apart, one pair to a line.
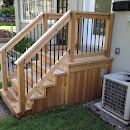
115,96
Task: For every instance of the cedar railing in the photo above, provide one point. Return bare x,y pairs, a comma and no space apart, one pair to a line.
50,36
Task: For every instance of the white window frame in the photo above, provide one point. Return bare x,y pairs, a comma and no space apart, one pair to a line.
27,21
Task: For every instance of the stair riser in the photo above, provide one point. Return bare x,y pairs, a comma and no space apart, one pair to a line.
14,86
40,89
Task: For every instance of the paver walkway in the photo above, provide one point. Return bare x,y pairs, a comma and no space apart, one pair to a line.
4,111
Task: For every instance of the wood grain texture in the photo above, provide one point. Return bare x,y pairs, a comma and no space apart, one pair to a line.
21,87
71,36
3,70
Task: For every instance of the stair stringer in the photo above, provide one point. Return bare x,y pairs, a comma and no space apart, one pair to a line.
55,96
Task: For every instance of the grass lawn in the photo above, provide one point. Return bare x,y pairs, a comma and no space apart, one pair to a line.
7,24
60,118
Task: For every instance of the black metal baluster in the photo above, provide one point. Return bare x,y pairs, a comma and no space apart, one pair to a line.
27,76
31,73
45,58
30,38
37,32
54,50
15,51
99,34
23,46
50,54
12,61
82,35
41,63
58,45
95,34
66,36
41,29
78,39
34,35
62,39
36,66
91,36
87,37
103,35
50,45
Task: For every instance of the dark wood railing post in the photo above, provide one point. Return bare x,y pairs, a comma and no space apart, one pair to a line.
3,70
71,36
109,24
21,87
45,48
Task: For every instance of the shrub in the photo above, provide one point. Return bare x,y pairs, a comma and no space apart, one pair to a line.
8,11
22,45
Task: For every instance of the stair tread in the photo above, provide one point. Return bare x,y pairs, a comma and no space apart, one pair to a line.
46,84
11,101
35,96
56,72
11,90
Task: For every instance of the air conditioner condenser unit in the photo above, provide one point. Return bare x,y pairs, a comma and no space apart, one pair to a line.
116,94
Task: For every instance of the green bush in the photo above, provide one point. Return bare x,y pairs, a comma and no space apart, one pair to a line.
23,45
8,11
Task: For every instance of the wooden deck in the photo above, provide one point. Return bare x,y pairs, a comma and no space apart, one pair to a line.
73,82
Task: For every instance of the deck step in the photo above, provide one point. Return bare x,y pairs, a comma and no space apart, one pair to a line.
35,96
46,84
11,99
57,72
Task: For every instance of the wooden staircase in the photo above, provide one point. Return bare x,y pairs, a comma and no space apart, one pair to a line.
54,74
10,96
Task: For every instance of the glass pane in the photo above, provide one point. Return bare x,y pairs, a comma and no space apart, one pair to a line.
103,6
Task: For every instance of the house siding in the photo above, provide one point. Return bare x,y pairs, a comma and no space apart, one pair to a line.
72,5
121,39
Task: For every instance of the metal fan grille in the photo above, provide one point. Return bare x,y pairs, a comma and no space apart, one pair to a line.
115,96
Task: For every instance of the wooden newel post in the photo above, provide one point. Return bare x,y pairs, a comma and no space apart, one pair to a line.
44,30
21,87
109,24
71,36
3,70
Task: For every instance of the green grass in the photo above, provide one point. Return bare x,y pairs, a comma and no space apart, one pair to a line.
60,118
0,66
9,84
7,24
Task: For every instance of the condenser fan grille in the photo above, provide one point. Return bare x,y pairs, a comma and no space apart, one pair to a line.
115,97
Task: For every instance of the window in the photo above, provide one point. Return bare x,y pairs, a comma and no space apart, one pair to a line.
103,6
62,6
32,8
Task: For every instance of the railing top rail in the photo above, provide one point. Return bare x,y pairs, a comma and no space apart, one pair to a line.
54,15
93,15
22,33
44,39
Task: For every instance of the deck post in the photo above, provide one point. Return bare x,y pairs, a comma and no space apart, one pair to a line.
71,36
21,87
45,48
3,70
109,24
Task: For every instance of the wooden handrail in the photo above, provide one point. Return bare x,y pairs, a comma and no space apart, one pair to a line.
92,15
22,33
44,39
54,15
